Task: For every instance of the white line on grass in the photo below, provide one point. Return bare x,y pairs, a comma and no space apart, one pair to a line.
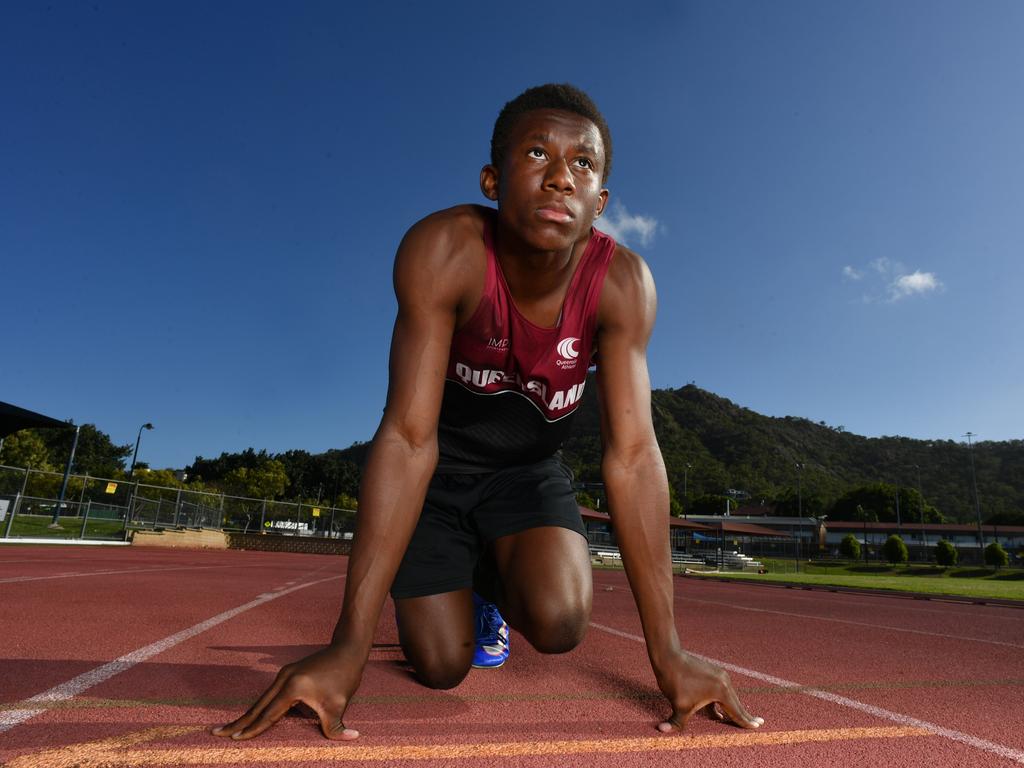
14,579
850,621
76,685
963,738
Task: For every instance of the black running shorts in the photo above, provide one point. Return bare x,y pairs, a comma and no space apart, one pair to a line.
464,513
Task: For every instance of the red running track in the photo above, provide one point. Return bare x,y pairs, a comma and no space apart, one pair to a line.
122,658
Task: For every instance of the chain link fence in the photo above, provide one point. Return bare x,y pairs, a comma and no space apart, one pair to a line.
108,509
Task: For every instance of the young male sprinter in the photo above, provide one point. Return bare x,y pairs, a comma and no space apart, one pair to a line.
500,314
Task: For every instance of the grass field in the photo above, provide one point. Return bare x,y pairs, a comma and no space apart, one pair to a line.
35,526
1006,584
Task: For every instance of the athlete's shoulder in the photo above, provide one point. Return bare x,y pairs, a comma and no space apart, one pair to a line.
449,233
628,271
445,252
628,290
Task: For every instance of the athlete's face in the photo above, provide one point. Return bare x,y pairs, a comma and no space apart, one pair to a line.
549,188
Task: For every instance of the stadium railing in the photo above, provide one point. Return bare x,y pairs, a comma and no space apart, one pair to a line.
105,508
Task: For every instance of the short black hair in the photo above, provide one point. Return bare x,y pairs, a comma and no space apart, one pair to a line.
562,96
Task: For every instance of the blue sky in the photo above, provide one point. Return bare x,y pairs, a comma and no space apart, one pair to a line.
200,202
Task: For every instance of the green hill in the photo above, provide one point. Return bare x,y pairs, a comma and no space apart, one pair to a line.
729,447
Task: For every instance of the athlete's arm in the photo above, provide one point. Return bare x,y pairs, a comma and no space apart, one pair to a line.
401,460
637,488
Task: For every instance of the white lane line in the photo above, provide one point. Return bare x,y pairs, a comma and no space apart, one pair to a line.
854,623
14,579
76,685
963,738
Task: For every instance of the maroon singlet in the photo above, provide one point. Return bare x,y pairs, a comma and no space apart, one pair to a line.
512,386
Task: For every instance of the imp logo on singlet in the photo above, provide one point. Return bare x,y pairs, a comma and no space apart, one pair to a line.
567,353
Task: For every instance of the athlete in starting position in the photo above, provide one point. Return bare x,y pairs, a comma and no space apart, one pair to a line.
500,314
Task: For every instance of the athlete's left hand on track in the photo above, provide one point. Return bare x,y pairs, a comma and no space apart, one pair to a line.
692,685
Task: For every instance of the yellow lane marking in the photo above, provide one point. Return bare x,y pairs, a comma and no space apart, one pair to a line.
115,752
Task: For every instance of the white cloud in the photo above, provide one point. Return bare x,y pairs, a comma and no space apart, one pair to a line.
917,282
627,228
881,266
887,280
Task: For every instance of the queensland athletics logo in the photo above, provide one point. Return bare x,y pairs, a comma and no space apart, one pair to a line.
568,353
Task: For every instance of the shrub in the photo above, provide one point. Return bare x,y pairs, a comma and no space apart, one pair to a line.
995,555
849,547
945,553
895,550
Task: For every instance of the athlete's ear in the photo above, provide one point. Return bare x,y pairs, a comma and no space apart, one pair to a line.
489,182
602,201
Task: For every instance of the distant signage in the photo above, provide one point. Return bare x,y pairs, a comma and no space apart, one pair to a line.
111,488
316,511
3,509
286,525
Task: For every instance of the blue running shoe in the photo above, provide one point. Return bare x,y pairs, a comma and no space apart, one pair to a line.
492,645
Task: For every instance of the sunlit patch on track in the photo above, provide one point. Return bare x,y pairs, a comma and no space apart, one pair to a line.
511,698
123,751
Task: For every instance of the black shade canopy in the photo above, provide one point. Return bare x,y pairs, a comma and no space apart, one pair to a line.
13,418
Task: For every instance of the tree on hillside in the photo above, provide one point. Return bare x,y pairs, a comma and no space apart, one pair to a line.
213,470
849,547
711,504
675,507
26,449
880,498
1006,518
344,501
342,474
790,503
995,555
895,550
945,553
96,455
862,515
266,481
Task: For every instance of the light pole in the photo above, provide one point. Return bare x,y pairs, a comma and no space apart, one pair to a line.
799,509
977,503
55,522
686,469
131,472
924,533
899,523
799,489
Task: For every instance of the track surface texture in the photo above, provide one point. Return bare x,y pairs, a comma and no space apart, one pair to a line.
117,658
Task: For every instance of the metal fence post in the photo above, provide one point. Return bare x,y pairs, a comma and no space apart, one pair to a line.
85,519
263,515
81,496
130,514
10,520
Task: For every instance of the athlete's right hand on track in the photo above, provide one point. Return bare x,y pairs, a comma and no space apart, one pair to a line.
324,681
691,685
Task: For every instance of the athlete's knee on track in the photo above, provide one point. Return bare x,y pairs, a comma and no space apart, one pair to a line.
558,628
439,665
442,676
